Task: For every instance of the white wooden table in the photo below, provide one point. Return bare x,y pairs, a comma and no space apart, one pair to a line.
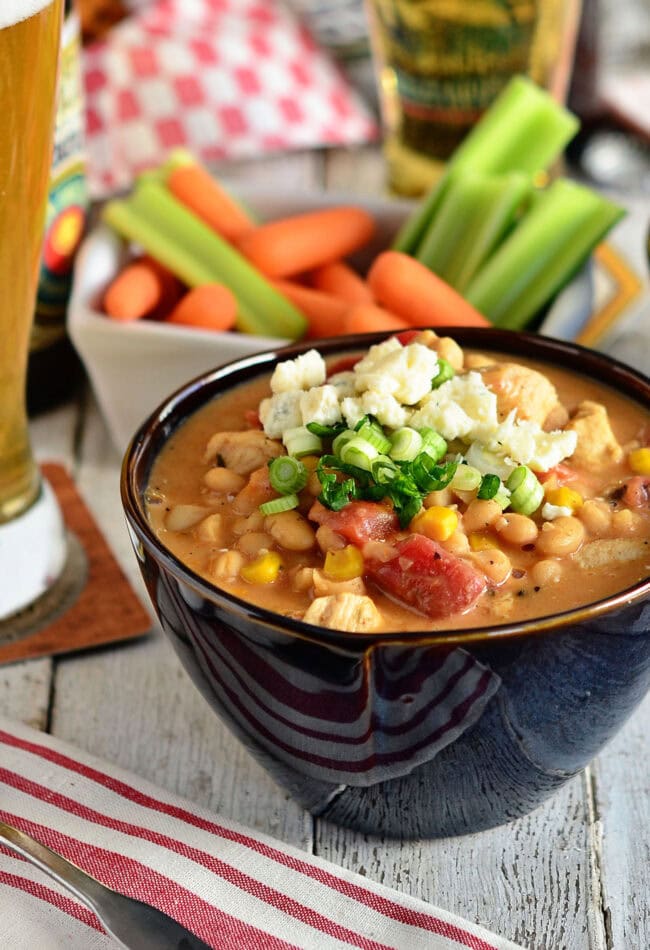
571,876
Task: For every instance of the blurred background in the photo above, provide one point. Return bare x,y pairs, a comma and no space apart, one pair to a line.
610,89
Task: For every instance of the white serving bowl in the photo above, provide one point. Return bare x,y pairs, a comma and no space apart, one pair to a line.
132,367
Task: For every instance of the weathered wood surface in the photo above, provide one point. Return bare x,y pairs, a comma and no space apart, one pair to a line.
572,876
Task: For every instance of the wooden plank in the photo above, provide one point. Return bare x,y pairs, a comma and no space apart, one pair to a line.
529,881
622,799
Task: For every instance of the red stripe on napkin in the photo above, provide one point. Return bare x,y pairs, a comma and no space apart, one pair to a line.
388,908
101,807
46,894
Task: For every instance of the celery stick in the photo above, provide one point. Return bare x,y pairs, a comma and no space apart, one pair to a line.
130,224
523,130
410,234
551,241
473,217
262,309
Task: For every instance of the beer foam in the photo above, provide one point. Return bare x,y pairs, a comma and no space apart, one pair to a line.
13,11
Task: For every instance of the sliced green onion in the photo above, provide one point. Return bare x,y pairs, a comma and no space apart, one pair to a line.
502,497
406,444
445,373
341,439
370,430
429,476
359,452
466,478
325,432
277,505
526,492
433,443
287,474
383,470
300,441
490,485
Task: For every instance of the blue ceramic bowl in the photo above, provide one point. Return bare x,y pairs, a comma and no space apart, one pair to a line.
421,734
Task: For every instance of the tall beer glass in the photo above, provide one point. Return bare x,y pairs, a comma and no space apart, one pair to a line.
30,33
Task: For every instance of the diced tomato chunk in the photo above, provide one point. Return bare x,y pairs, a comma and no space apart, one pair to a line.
562,472
252,418
424,576
343,365
407,336
358,521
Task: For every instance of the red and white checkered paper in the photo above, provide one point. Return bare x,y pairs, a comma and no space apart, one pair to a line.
227,79
234,888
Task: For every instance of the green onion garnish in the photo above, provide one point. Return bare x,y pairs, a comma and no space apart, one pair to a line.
445,373
277,505
406,443
429,476
383,470
370,430
341,439
466,478
300,441
325,432
287,474
433,443
526,492
359,452
490,485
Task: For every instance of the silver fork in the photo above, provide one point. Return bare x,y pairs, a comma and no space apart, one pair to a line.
135,925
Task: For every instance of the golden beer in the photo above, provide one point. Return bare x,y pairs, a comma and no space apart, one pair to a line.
29,42
440,63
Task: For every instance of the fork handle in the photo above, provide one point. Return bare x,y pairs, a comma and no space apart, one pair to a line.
85,888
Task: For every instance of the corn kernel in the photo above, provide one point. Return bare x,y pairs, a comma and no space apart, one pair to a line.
639,461
264,569
436,522
344,564
481,542
565,498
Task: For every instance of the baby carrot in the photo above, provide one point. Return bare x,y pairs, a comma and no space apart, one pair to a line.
208,307
340,279
324,312
143,288
408,288
369,318
195,187
289,246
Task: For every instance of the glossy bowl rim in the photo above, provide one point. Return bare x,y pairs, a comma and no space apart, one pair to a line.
573,357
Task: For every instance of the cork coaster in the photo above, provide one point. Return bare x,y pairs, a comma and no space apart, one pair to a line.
91,604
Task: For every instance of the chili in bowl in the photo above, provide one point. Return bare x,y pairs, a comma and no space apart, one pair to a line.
410,573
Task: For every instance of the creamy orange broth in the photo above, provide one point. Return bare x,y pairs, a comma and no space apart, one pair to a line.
177,478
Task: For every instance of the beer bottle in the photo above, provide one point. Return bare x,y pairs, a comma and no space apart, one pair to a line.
54,368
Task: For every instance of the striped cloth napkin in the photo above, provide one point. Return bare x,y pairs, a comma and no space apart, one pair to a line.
233,887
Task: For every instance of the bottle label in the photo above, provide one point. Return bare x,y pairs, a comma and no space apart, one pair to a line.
68,198
450,58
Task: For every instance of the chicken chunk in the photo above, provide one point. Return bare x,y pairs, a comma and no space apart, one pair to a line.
324,585
353,613
529,392
243,452
604,552
597,444
445,347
